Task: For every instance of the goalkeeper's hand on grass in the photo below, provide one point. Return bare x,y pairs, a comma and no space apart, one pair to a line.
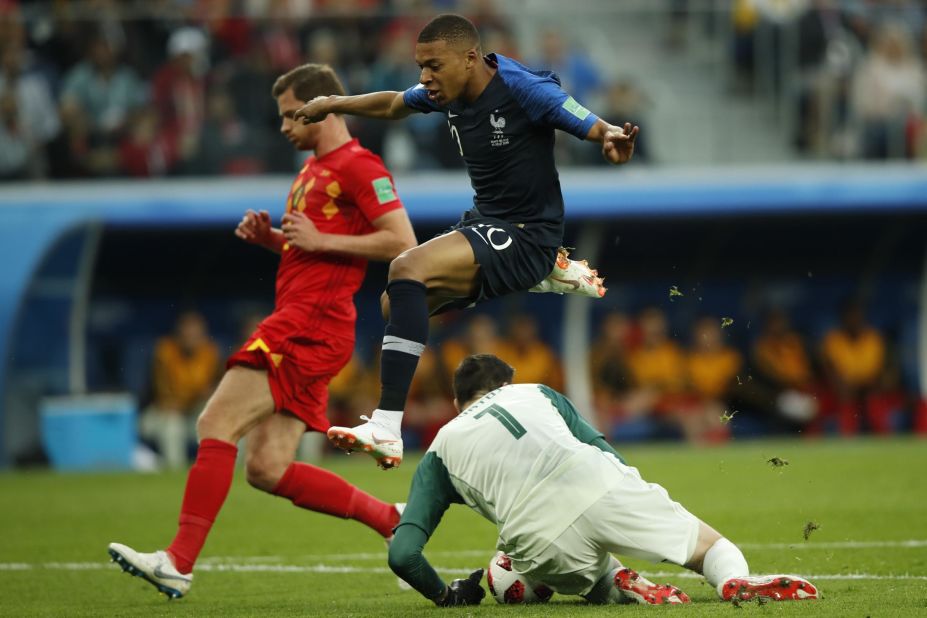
464,591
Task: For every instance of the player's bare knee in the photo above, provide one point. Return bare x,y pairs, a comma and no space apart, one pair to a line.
260,478
406,266
263,473
220,421
208,425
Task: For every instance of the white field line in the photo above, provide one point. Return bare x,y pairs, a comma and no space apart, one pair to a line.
470,553
233,568
911,543
270,564
343,569
834,576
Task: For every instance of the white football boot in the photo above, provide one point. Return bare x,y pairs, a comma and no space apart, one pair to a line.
156,568
572,277
373,438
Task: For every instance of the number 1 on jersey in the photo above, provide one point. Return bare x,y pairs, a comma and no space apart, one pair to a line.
508,421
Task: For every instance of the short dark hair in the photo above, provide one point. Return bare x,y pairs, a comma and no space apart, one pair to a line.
480,373
308,82
451,28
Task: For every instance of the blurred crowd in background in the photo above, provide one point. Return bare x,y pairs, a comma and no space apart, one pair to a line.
648,383
109,88
857,73
101,89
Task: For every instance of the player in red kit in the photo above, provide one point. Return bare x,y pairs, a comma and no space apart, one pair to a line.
342,210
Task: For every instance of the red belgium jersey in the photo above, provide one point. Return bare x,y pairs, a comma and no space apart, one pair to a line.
342,192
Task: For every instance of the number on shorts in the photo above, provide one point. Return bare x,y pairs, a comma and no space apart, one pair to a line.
508,421
486,231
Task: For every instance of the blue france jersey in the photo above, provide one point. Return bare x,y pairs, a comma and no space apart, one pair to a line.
506,138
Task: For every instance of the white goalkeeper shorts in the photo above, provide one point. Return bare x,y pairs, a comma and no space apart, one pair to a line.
636,519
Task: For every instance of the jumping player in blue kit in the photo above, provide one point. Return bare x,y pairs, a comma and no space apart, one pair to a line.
502,117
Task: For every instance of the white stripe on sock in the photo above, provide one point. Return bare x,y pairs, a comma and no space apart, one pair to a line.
398,344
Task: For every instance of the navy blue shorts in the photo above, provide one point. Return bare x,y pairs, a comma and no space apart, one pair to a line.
510,258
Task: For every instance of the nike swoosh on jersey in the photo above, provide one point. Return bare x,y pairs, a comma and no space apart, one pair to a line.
162,575
452,115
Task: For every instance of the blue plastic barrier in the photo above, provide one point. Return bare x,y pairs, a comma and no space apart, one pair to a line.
94,432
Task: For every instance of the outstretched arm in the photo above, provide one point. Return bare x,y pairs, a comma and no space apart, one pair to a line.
407,561
388,105
617,142
431,494
545,102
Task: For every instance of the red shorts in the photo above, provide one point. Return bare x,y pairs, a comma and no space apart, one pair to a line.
299,364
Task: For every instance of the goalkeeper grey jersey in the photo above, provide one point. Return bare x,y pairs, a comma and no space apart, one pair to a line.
520,456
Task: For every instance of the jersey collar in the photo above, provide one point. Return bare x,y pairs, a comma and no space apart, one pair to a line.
351,142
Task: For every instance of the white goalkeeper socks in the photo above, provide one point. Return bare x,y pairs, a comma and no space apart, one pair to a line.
604,590
390,419
723,561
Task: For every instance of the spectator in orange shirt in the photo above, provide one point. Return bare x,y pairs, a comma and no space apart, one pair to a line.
658,373
622,407
711,370
534,361
784,383
608,366
658,365
184,371
855,364
780,354
854,352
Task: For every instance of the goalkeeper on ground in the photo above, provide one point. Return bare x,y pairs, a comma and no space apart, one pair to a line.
563,500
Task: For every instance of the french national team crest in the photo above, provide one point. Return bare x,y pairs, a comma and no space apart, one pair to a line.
498,134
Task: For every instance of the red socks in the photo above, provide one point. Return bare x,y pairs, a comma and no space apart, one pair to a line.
312,488
208,484
322,491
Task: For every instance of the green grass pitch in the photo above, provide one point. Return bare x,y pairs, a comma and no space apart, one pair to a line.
268,558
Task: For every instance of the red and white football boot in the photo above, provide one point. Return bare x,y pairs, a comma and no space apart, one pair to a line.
773,587
638,589
572,277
